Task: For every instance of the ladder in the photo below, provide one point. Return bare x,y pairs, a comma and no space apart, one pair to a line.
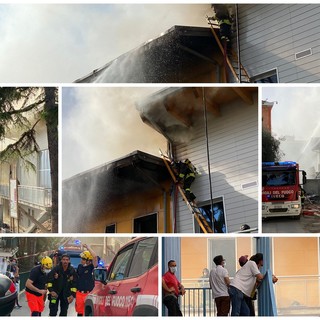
231,57
204,225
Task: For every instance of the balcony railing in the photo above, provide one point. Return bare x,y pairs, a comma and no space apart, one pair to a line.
35,196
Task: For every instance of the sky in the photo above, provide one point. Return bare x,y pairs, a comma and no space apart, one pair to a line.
296,113
101,124
50,43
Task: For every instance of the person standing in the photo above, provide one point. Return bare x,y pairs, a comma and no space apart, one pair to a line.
36,286
172,288
13,272
62,286
219,282
242,284
85,281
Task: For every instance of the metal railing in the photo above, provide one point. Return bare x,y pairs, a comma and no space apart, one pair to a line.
35,196
4,191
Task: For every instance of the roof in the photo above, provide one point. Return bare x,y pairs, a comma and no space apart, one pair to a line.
136,172
173,112
160,60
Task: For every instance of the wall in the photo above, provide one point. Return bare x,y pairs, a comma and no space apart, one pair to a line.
271,35
233,145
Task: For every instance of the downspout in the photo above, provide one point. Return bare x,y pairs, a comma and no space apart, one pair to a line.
208,156
238,40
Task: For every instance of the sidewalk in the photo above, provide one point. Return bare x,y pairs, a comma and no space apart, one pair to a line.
25,311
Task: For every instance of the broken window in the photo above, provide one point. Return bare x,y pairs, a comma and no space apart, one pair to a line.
146,224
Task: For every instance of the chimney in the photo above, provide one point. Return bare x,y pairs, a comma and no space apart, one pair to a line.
266,114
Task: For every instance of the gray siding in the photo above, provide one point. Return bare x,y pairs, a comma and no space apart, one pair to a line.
271,35
233,152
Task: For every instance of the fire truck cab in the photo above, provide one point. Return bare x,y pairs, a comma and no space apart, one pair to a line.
281,189
129,287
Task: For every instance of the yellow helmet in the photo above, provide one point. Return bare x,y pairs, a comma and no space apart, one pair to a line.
46,262
86,255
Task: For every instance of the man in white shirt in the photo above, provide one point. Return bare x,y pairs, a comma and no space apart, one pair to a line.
243,283
219,282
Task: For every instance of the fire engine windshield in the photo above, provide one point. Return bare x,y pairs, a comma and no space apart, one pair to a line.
278,178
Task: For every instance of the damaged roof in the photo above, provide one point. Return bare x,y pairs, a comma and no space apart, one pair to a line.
137,171
176,110
162,59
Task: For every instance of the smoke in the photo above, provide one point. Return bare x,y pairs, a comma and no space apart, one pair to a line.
64,42
102,124
296,119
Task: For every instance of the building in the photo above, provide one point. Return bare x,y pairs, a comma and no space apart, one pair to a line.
266,115
128,195
136,192
271,43
297,290
25,192
216,126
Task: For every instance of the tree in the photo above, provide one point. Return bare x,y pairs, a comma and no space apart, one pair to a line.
270,147
21,110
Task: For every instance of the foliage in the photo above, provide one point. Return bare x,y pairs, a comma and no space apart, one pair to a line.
270,147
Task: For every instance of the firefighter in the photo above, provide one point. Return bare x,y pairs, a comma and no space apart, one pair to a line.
85,284
186,174
62,286
36,286
224,20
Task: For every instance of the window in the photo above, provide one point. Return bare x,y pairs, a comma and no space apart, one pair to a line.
266,77
120,265
44,169
214,211
146,224
111,228
142,259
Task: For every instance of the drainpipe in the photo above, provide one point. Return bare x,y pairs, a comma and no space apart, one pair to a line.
238,40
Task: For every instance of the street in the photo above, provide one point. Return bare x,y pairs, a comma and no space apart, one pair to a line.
25,311
306,224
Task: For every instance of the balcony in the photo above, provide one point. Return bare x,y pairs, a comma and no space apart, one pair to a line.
32,196
8,247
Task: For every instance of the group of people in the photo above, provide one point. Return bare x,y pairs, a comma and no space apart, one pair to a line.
237,293
61,284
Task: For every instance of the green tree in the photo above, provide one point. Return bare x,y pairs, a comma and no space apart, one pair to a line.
21,110
270,147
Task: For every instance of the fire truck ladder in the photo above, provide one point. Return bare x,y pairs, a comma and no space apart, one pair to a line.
206,228
231,58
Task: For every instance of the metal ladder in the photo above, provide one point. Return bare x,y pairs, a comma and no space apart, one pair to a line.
203,224
231,58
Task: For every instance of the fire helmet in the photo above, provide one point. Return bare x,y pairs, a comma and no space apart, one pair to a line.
86,255
46,262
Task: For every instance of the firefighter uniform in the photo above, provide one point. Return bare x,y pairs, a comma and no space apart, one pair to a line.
85,284
62,282
186,174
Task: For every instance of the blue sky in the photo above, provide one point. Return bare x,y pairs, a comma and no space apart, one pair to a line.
64,42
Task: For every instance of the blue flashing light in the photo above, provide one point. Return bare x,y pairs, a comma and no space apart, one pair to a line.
61,248
280,163
77,242
101,263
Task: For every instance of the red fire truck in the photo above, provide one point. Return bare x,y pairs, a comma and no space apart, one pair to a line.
129,287
281,189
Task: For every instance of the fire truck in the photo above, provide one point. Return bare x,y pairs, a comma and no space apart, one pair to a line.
281,189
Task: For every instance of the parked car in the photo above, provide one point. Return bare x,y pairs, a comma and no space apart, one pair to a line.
8,295
129,287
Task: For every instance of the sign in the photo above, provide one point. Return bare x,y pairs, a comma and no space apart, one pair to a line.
13,199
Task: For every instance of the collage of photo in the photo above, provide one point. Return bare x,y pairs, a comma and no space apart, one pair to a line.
160,160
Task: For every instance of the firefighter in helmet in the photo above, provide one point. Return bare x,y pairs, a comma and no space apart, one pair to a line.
186,174
89,261
224,20
36,286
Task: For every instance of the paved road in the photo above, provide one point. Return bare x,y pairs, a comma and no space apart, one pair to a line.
25,311
306,224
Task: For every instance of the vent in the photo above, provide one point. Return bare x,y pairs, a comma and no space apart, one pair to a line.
303,54
249,185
